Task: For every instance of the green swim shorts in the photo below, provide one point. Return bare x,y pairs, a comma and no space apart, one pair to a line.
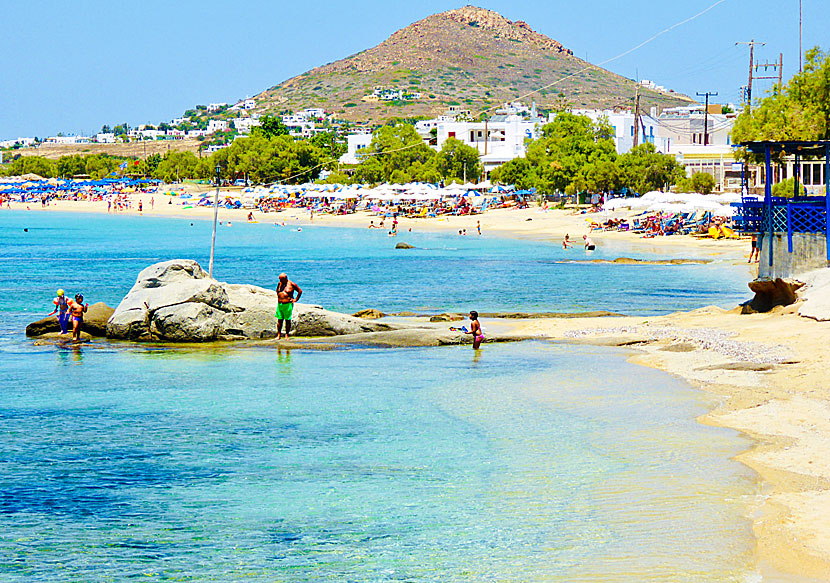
284,311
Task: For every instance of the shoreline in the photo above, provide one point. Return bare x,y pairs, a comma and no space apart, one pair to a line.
531,223
767,372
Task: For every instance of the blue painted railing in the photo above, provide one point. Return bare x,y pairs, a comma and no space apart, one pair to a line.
786,215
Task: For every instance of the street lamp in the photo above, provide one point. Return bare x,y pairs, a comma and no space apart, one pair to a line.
215,215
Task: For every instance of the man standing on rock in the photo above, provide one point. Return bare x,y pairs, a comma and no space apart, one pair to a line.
285,303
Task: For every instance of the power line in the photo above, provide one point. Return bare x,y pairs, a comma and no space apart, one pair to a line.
621,55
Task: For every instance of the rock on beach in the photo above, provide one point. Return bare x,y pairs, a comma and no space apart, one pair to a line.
176,301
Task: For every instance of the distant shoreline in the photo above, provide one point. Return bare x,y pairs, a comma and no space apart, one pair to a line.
530,223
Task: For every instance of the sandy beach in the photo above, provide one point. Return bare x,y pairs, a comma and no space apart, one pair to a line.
766,370
532,223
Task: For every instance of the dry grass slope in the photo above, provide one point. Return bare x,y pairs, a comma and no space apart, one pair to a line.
471,57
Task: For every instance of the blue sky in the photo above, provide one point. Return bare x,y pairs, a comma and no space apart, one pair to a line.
73,66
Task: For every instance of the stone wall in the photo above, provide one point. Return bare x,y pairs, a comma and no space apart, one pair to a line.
809,253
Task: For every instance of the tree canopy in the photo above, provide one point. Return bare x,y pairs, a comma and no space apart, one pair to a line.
575,154
798,111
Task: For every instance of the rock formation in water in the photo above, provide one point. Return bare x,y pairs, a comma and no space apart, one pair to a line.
95,322
176,301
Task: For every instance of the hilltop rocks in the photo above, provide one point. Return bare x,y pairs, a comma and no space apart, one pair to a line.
95,322
518,31
176,301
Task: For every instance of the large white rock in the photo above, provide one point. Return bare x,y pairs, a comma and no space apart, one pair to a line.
176,301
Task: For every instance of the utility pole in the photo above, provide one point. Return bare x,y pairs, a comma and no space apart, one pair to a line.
637,116
706,116
215,215
779,65
751,44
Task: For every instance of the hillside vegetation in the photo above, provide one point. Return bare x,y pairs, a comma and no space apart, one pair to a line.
470,57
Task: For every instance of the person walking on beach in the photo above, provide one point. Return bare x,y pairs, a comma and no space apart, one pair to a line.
62,310
77,308
285,303
589,243
754,252
478,227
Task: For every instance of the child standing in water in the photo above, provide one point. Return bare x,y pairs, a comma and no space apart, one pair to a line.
475,330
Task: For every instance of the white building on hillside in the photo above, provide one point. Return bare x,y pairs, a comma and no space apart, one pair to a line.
64,140
622,122
244,124
105,138
355,144
217,125
216,106
498,140
20,142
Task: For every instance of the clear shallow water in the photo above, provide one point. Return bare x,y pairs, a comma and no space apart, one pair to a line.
348,269
532,462
376,465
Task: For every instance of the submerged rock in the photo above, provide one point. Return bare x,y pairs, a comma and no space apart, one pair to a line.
403,245
95,322
446,318
369,314
176,301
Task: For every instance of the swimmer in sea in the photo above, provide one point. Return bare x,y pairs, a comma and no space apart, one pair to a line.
566,242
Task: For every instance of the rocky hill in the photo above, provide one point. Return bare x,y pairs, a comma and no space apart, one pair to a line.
470,57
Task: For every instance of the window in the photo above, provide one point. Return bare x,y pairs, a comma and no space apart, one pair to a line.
450,134
632,131
817,174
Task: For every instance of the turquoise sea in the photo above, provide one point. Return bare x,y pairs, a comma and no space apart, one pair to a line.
525,462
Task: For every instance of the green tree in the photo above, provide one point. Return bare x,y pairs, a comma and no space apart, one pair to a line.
645,169
456,160
69,166
270,126
600,176
798,111
328,142
32,165
177,166
787,188
518,172
397,148
701,182
568,144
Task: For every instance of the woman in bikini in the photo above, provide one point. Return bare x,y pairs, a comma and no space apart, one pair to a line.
475,330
